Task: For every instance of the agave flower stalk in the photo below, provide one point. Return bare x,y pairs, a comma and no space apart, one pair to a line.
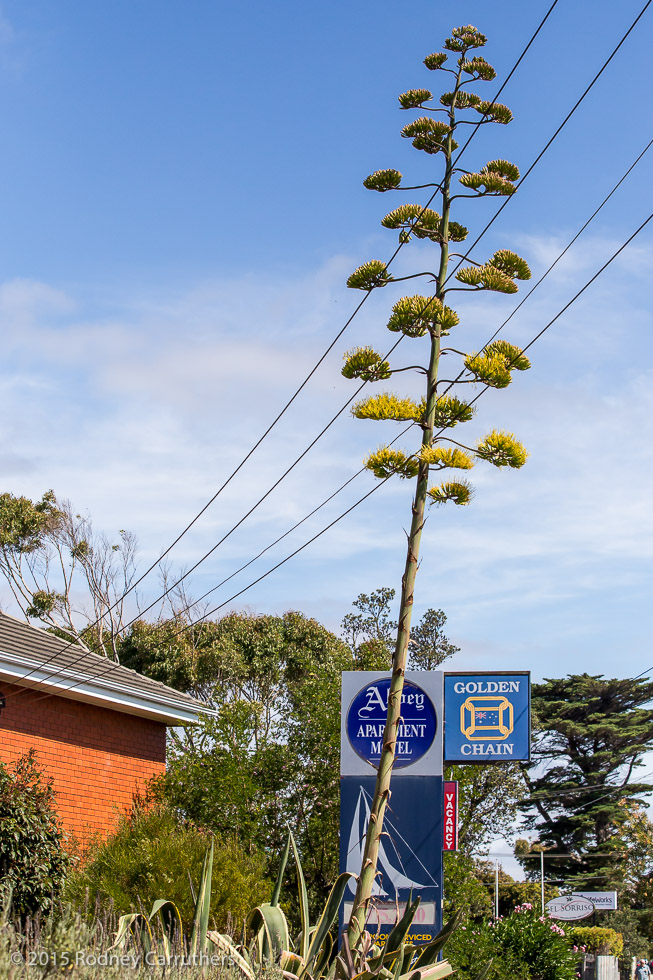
430,318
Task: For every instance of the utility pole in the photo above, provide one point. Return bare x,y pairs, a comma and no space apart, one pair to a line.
542,879
496,889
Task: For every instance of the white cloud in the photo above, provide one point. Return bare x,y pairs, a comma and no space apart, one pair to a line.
139,415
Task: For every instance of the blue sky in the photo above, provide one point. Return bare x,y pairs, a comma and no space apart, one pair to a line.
181,204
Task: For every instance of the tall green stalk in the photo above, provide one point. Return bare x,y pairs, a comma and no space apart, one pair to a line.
421,316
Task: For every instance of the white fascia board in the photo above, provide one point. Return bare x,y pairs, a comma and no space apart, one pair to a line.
13,668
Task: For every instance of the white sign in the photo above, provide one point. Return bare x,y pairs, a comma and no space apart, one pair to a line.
600,900
569,907
353,755
388,913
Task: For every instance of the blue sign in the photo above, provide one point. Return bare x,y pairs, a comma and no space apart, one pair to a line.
366,719
410,853
487,717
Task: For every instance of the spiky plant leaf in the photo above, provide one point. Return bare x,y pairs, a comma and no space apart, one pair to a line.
460,100
414,315
383,180
495,112
225,945
515,359
366,364
463,38
459,492
435,61
437,971
431,952
427,134
414,98
510,263
478,66
449,411
198,940
502,167
446,458
325,922
396,939
369,275
387,406
285,854
270,925
502,449
385,462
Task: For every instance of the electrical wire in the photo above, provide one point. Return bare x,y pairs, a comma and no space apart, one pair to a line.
164,554
530,169
112,666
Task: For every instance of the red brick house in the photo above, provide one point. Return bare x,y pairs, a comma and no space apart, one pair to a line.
99,729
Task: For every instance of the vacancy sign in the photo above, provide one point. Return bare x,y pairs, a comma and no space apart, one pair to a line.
450,823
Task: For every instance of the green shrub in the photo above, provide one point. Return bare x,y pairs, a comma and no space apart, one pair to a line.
153,855
523,944
33,862
597,940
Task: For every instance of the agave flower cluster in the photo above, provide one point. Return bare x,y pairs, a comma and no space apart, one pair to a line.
429,316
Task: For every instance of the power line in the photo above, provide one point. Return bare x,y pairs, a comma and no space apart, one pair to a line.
438,187
328,350
112,666
530,169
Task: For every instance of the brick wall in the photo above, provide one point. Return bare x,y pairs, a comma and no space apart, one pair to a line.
96,757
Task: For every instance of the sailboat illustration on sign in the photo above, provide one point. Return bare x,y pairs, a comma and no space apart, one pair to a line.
390,875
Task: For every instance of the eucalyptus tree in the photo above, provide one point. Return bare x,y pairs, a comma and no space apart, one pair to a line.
428,318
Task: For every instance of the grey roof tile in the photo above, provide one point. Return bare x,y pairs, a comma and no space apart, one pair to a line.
70,662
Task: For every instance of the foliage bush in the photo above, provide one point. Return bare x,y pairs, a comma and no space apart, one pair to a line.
64,945
598,940
153,855
523,944
33,859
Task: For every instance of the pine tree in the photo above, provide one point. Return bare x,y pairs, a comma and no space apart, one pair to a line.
590,736
427,320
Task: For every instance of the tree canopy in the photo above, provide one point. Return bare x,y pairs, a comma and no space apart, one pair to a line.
590,736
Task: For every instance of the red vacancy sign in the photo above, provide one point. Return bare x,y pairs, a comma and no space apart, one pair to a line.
450,823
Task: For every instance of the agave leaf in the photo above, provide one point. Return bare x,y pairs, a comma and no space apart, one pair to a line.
171,921
282,870
430,953
271,921
324,955
202,907
328,917
290,961
434,972
125,922
397,935
225,945
303,902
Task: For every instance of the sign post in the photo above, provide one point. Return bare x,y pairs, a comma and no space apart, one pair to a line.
463,718
410,855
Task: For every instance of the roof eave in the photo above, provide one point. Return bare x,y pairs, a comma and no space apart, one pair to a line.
40,679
